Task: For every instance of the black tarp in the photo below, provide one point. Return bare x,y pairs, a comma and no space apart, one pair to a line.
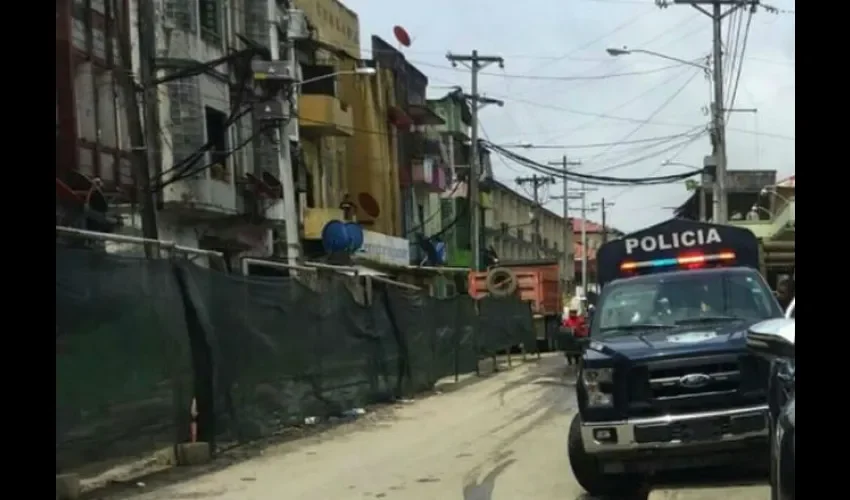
123,368
505,322
411,313
138,339
283,352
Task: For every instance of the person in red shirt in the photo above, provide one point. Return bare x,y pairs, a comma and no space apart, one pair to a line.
578,326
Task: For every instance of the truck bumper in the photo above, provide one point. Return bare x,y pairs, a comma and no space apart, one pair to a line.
680,432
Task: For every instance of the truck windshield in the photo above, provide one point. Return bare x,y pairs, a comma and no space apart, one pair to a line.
685,299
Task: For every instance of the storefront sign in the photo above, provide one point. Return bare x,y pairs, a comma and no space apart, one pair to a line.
385,249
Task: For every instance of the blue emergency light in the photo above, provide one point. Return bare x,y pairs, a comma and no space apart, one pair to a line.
690,260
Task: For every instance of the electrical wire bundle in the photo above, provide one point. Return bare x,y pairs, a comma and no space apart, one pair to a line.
188,167
597,180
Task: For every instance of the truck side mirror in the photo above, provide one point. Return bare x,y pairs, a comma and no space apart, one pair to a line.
773,338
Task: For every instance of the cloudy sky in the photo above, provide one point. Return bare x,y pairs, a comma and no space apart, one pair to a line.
561,88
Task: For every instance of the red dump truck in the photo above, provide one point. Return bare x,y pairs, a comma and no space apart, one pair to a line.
535,281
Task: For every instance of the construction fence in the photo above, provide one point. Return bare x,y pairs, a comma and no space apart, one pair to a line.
146,347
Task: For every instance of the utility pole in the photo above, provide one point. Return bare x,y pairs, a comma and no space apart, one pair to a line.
581,194
475,62
288,128
536,181
144,139
603,206
717,14
565,164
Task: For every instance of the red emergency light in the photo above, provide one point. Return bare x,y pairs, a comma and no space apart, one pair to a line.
688,261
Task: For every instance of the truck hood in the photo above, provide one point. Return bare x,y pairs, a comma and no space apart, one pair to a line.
675,342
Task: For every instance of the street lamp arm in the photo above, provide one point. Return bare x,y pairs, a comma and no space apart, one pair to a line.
624,51
703,67
366,71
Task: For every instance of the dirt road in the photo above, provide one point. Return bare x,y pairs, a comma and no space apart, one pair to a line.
500,438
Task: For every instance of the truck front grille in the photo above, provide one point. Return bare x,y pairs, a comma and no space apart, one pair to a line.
663,387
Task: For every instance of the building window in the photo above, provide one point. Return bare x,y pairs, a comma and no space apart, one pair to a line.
217,136
503,226
520,234
209,14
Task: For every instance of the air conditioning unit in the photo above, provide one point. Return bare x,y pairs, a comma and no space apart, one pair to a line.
296,25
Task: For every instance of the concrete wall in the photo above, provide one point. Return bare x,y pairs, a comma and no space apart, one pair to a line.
513,209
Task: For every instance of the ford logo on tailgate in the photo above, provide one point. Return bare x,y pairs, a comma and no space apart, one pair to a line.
695,380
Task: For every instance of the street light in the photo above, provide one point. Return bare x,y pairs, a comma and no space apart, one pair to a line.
625,51
720,201
363,71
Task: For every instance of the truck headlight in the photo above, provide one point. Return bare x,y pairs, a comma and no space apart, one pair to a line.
597,382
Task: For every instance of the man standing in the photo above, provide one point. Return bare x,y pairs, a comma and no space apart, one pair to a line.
577,325
784,293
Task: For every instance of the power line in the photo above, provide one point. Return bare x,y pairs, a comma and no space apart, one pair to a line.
596,144
605,76
652,115
633,120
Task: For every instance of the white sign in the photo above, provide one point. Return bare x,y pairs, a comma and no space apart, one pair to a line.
385,249
692,337
684,239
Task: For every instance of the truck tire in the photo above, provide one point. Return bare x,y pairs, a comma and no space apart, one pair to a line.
588,471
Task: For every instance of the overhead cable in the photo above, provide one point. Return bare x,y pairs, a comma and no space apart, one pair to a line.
595,144
586,178
651,116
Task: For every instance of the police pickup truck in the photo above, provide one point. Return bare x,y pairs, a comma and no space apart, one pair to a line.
666,381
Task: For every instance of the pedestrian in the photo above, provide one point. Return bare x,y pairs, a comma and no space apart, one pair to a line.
579,329
783,293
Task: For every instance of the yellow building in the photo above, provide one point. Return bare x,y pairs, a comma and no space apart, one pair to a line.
345,138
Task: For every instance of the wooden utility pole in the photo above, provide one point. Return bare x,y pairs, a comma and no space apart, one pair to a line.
475,62
536,181
603,207
569,267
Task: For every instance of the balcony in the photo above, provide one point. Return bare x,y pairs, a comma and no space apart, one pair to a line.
782,227
428,174
418,146
199,200
324,115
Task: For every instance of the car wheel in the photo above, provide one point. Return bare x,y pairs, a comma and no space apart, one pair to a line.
588,471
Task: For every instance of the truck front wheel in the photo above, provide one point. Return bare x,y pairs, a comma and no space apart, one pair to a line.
588,471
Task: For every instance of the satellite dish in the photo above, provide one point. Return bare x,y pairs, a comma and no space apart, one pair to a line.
369,205
401,35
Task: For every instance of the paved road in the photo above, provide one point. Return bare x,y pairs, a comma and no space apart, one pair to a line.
500,438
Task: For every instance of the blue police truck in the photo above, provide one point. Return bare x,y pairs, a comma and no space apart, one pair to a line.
666,381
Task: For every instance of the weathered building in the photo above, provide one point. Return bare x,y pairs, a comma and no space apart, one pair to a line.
203,162
509,229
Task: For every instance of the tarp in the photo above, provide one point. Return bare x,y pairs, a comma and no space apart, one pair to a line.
505,322
137,340
123,367
283,352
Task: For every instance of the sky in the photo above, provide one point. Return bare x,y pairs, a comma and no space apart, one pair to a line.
561,88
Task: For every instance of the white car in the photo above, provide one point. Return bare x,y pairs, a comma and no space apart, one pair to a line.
789,313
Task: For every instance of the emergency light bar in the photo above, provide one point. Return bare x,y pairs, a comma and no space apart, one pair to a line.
684,260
